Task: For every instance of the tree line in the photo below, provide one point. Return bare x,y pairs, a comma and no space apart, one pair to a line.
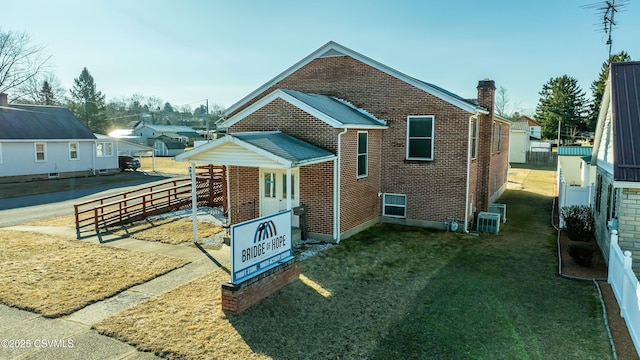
26,74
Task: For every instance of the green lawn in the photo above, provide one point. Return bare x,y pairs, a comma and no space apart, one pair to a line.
396,292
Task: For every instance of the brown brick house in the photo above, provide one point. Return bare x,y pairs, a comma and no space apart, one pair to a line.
361,143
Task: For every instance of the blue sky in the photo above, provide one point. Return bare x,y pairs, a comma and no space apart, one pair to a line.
187,51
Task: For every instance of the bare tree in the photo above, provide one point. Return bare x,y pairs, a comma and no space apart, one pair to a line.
502,102
20,61
30,90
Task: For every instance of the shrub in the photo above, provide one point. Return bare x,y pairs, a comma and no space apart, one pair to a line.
579,222
582,252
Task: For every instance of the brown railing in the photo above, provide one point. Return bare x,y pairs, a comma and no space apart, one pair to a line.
152,200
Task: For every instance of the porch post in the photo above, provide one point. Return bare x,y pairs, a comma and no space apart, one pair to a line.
288,182
194,201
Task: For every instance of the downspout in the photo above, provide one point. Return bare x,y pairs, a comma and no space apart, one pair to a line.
466,200
337,183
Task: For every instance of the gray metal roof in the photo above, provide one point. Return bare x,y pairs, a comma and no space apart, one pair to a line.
284,146
520,125
339,110
625,100
26,122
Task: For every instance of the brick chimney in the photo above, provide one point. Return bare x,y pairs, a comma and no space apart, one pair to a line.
3,101
486,98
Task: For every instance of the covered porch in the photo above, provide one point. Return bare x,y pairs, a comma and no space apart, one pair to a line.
268,172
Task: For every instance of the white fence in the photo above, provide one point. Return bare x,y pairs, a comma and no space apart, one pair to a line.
572,195
625,287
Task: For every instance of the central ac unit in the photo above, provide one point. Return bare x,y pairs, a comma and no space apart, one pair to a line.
488,222
499,209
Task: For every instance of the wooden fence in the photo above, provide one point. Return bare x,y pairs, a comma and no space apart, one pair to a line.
151,200
542,158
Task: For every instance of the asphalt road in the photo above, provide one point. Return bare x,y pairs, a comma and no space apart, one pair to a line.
18,210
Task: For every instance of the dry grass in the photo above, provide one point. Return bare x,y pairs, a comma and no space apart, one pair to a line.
186,322
55,276
172,231
164,165
62,221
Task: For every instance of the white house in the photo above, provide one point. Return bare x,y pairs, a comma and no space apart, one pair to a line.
43,142
523,131
150,132
574,168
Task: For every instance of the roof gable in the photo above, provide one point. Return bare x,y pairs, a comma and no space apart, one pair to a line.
34,122
332,49
335,112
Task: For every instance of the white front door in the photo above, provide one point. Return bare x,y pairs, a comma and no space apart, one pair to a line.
273,190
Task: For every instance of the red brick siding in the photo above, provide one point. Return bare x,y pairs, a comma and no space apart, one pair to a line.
359,200
316,192
435,189
499,160
235,301
244,193
282,116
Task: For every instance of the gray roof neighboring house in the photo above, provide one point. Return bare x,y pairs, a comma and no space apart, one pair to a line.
520,125
36,122
575,150
339,110
625,102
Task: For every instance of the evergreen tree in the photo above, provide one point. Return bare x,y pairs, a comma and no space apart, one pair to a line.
598,85
88,104
46,95
562,100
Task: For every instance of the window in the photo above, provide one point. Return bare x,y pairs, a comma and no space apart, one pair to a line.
395,205
499,135
73,151
474,137
270,185
41,152
363,147
598,193
104,149
420,137
293,186
493,138
609,201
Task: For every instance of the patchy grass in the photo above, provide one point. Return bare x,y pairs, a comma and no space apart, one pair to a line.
54,276
164,165
62,221
395,292
167,230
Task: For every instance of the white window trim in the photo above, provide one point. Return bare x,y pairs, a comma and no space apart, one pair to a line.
366,155
77,151
104,143
384,205
44,150
433,126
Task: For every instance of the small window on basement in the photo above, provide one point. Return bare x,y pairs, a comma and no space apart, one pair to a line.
395,205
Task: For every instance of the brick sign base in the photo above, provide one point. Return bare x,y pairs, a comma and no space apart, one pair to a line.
237,298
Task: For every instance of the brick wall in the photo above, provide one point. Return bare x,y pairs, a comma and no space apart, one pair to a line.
316,192
435,189
244,193
238,298
629,224
498,171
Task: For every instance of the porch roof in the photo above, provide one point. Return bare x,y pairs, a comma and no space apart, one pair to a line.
272,149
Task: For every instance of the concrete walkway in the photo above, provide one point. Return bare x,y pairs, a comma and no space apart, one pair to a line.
71,336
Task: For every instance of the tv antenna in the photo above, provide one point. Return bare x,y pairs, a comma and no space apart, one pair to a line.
607,11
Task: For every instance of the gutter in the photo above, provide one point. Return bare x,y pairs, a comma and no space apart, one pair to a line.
336,184
466,196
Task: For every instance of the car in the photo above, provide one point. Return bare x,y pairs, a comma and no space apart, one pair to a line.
128,162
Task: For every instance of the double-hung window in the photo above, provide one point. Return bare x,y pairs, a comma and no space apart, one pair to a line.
104,149
474,137
41,151
499,136
395,205
363,153
73,151
420,137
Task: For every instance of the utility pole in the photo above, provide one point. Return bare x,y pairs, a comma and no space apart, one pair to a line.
207,102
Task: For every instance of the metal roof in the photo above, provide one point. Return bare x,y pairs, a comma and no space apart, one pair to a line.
338,109
27,122
575,150
625,102
520,125
170,128
283,146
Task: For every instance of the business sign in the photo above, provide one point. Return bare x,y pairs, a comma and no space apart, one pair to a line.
259,245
